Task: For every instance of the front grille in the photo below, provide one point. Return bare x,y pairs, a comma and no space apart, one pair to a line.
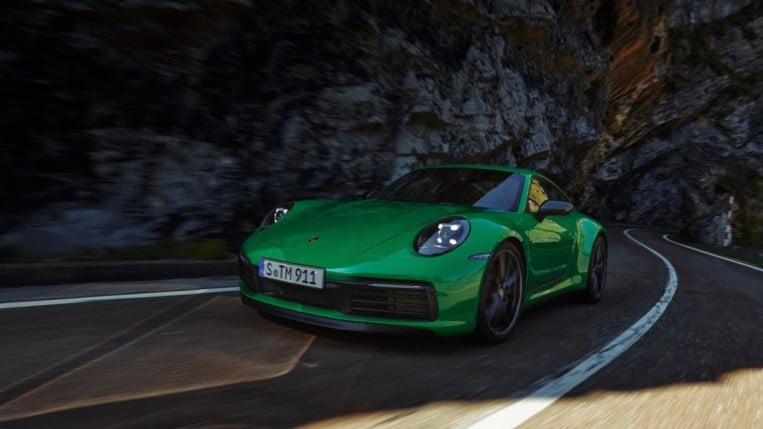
390,300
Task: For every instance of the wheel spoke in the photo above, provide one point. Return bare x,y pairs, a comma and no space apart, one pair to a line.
493,309
502,262
511,309
510,280
504,311
498,317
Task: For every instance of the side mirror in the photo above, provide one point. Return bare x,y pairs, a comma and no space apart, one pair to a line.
553,207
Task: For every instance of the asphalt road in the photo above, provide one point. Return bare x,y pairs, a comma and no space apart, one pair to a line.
207,361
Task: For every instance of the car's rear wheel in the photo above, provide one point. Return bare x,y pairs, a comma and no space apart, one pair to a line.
597,271
501,294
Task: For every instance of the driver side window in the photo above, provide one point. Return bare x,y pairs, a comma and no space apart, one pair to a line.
553,192
541,191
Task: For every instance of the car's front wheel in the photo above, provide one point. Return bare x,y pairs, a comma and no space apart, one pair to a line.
501,294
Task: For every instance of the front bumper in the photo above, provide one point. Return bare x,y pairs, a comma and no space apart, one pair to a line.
387,300
362,305
341,325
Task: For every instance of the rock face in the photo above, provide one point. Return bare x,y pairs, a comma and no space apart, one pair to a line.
132,122
687,131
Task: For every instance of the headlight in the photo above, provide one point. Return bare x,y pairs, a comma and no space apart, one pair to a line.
275,215
442,237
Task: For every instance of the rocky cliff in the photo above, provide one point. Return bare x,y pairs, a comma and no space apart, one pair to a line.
131,122
688,131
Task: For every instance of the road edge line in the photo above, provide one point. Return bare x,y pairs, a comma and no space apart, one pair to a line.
732,260
521,411
116,297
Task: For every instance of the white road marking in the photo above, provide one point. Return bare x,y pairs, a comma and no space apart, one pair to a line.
744,264
521,411
83,299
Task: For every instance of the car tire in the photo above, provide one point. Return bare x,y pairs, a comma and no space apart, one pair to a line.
597,271
501,294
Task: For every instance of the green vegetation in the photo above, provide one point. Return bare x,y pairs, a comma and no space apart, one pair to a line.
204,250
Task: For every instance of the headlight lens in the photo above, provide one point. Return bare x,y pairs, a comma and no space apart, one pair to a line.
442,237
276,214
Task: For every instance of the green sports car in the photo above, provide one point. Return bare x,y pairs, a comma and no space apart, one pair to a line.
448,250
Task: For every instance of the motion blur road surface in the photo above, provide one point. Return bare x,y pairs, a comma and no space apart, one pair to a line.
209,361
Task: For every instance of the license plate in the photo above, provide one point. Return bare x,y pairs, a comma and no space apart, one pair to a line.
291,273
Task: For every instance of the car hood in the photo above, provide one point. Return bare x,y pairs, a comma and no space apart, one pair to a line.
354,227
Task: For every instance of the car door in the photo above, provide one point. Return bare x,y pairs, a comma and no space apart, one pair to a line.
551,238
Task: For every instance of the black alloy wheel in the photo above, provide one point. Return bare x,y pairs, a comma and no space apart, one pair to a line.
501,294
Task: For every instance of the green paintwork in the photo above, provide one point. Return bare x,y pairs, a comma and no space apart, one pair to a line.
373,239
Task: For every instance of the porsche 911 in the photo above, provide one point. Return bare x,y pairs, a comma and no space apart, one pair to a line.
443,250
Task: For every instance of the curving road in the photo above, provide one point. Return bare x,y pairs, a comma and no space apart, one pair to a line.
206,360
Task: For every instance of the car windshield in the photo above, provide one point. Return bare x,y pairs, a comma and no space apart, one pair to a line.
473,187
